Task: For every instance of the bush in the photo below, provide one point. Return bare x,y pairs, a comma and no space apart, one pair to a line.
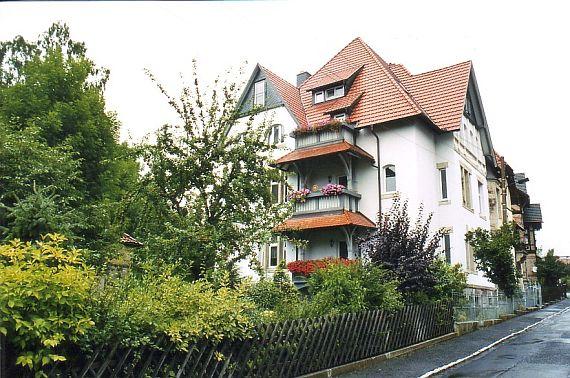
339,288
139,310
450,279
44,291
306,267
405,248
494,252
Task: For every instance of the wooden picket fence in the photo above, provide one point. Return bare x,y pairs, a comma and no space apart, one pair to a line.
285,349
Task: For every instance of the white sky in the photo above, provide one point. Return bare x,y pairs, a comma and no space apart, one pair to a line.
519,51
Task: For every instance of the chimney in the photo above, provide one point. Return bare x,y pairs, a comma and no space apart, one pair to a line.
302,77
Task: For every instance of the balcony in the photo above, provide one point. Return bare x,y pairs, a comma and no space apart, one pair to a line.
317,202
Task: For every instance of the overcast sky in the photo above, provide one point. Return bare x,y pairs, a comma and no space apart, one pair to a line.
519,51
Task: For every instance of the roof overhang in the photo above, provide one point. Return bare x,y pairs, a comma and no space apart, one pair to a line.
322,221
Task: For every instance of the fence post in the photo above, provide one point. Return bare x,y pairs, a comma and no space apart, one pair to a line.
3,356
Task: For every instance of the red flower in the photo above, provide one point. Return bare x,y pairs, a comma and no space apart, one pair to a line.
306,267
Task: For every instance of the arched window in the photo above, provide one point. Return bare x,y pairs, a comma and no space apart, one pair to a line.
390,178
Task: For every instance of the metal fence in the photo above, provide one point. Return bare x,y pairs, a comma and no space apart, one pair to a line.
284,349
478,306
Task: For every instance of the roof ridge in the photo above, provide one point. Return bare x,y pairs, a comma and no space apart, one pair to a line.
443,68
392,77
330,60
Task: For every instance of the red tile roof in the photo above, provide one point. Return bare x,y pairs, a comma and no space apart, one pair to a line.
328,149
384,98
441,93
290,95
346,218
328,78
388,91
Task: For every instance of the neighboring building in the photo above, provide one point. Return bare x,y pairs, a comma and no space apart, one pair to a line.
382,132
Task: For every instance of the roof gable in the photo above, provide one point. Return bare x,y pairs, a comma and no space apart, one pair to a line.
383,98
278,92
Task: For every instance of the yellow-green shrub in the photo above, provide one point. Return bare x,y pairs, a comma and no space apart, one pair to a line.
44,290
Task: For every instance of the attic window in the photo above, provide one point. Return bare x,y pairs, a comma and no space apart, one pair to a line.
340,117
329,94
259,93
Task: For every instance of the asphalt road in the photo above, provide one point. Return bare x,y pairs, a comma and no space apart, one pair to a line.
542,351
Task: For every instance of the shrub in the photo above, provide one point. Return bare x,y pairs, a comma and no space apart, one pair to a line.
44,291
450,279
405,248
494,252
139,310
340,288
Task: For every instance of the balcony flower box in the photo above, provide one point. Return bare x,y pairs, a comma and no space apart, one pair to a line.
305,268
332,189
331,124
299,195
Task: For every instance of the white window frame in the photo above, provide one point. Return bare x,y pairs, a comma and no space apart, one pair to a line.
443,187
340,117
275,241
446,243
259,93
280,135
467,197
480,190
393,168
319,97
323,95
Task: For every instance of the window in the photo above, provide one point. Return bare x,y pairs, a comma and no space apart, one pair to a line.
342,250
273,251
466,188
443,182
343,180
480,190
276,135
319,97
340,117
390,176
329,94
275,192
259,93
470,258
447,247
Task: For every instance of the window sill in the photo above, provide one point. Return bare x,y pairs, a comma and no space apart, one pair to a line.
390,195
469,209
444,202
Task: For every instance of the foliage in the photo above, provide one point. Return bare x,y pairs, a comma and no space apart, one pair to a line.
38,214
332,189
306,267
342,288
450,279
404,248
493,251
56,133
550,270
44,291
205,195
330,124
139,310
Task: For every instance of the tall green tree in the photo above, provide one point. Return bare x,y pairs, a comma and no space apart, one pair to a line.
550,270
57,133
204,202
494,254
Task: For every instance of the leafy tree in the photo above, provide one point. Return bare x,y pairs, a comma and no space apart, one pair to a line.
404,248
56,132
550,270
493,251
44,292
204,196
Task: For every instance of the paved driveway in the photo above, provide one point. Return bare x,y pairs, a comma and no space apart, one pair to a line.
543,351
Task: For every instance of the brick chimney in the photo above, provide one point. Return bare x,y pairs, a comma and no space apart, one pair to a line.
302,77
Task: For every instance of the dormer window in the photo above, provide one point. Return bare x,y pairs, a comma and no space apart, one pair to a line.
340,117
329,94
259,93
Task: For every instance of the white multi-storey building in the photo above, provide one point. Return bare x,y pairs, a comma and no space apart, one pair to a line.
381,132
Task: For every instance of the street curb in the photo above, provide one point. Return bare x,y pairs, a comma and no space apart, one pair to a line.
492,345
361,364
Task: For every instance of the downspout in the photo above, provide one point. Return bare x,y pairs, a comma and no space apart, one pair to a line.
379,173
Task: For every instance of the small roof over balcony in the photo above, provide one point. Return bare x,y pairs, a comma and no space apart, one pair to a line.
318,221
323,150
